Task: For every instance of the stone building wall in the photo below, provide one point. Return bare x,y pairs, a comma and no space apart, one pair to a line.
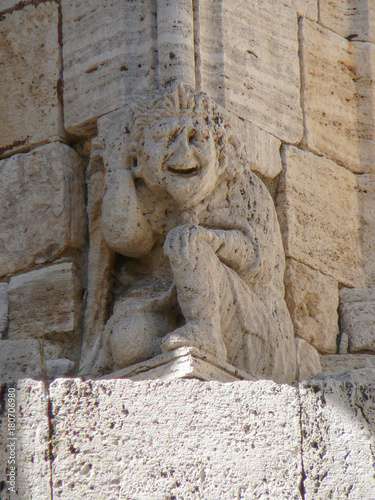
296,77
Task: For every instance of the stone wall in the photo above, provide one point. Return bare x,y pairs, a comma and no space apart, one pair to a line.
297,79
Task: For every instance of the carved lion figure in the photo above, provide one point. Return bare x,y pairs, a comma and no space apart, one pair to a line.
200,255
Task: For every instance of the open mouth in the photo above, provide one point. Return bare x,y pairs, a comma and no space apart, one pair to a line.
187,172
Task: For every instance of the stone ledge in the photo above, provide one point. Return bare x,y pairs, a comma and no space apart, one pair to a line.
186,362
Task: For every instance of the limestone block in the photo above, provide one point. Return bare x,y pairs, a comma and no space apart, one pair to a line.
305,8
30,80
33,473
339,362
249,63
352,19
312,300
337,97
318,213
3,308
357,316
109,56
51,297
182,439
338,429
308,361
366,198
20,359
344,343
59,368
176,41
43,206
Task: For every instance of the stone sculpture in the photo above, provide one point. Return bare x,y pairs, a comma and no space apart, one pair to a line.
199,253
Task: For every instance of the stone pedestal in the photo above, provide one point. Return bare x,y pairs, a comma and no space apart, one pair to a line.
186,362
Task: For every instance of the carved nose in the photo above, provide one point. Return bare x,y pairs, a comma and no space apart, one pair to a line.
181,151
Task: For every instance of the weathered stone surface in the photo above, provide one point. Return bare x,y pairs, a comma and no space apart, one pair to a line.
32,445
339,362
312,300
175,42
366,198
352,19
51,297
30,106
43,209
249,63
109,56
338,429
357,316
318,213
337,90
305,8
308,361
20,359
56,368
181,201
344,343
144,440
3,308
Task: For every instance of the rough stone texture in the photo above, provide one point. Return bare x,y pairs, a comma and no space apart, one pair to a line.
339,362
184,439
43,209
51,297
30,106
312,300
343,343
308,361
175,41
20,359
338,422
32,449
3,308
249,63
357,317
353,19
366,198
337,96
319,216
109,56
203,236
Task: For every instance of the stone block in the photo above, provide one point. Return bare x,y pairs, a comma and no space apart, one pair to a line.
357,317
339,362
43,206
352,19
337,97
33,475
3,308
249,63
20,359
308,361
118,438
338,429
318,213
109,57
312,300
51,297
30,81
8,4
366,199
